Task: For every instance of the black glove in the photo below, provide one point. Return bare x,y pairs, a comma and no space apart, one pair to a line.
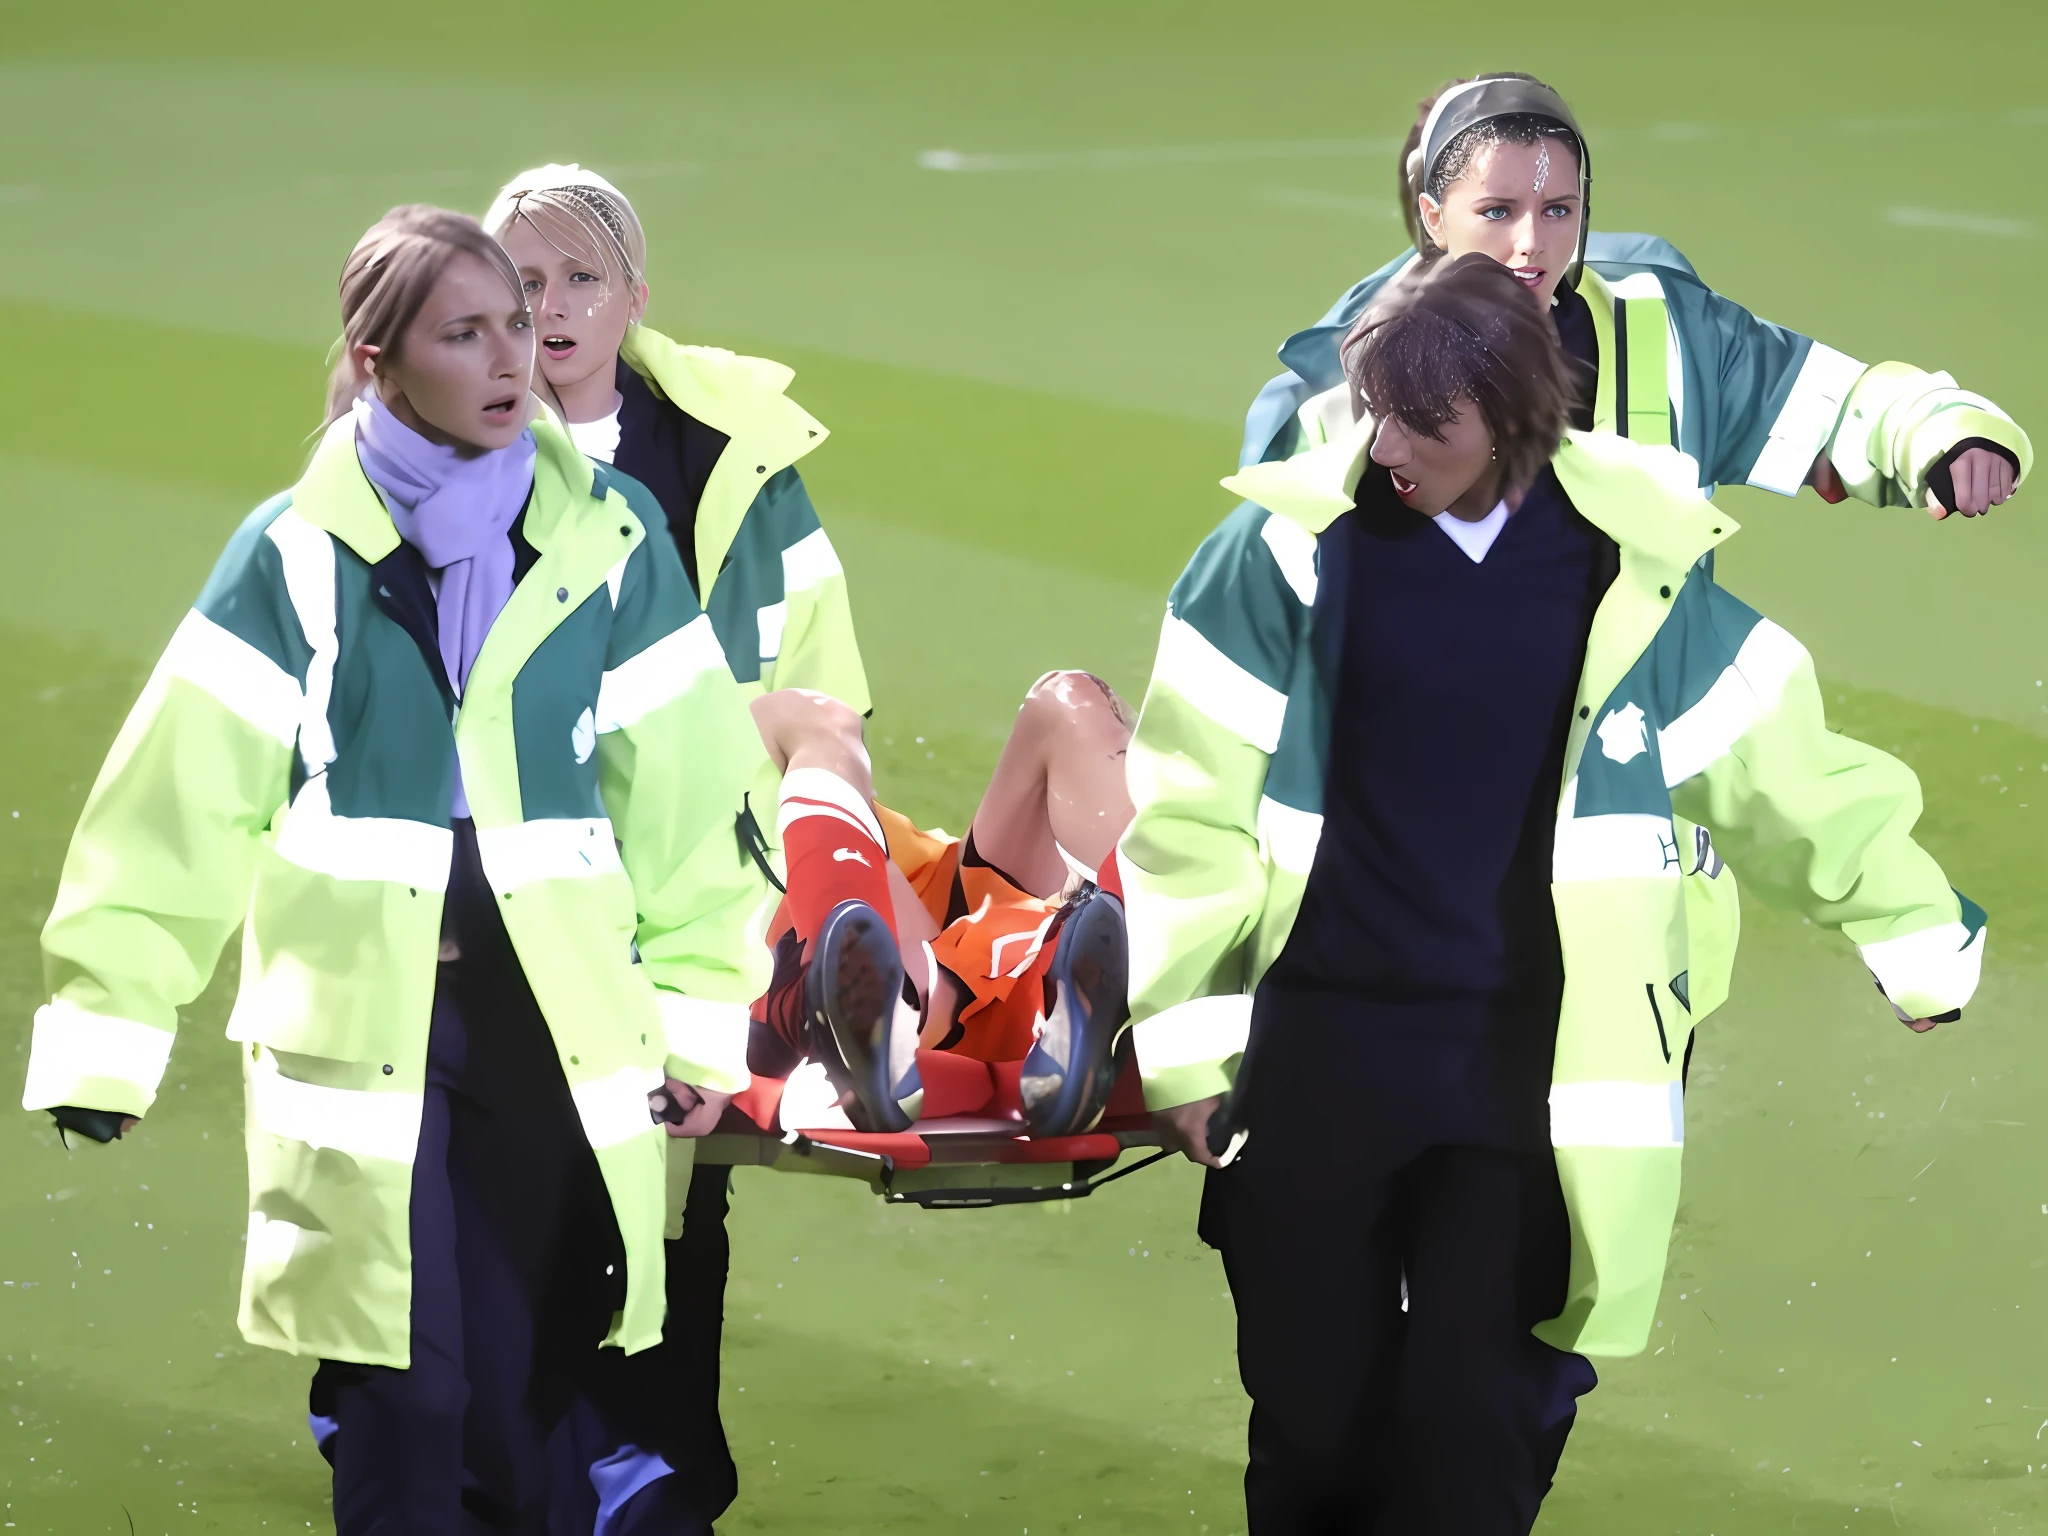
100,1125
1943,483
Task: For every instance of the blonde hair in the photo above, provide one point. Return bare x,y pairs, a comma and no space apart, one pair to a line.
586,201
386,280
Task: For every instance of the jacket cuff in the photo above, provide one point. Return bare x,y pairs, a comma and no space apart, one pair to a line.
1191,1050
1929,973
94,1061
707,1041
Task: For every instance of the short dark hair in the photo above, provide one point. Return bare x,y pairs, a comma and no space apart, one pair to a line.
1463,329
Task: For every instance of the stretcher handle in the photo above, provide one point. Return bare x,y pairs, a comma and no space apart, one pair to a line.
979,1199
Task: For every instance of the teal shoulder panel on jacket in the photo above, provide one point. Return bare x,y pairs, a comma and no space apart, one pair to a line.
783,505
1738,373
1631,249
554,729
1236,597
753,577
636,496
654,597
384,765
246,594
1697,686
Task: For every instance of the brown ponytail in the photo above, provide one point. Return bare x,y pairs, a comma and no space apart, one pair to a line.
388,276
1408,168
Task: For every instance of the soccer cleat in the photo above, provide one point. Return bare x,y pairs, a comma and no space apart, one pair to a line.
1068,1075
860,1029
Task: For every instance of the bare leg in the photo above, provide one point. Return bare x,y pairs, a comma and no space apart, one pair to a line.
1058,784
802,729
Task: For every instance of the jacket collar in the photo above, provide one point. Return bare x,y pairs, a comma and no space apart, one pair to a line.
1646,499
335,495
1315,487
741,397
1599,299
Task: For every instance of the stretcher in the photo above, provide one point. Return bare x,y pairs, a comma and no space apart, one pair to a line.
969,1151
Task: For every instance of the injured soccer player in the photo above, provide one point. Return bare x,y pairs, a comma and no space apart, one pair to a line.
1001,948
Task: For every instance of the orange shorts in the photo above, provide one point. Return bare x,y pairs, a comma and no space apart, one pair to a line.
999,949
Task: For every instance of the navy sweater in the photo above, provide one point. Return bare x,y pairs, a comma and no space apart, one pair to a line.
1431,885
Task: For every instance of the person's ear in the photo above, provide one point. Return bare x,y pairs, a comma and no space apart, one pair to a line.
364,358
1432,213
639,309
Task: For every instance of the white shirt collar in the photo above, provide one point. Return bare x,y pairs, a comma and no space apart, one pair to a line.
1474,538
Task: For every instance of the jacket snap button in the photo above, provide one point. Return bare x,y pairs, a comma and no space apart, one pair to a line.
562,594
625,532
760,469
1584,712
575,1061
387,1069
1663,591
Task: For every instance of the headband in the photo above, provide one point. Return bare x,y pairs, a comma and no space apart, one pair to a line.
1494,96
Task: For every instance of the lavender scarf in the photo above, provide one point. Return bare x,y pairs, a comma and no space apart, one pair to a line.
457,511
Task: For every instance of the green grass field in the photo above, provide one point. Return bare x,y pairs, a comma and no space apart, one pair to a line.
1034,366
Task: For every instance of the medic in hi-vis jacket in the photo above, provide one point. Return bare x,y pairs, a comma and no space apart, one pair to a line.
1498,165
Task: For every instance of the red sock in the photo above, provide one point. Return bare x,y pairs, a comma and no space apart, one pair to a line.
832,847
1111,876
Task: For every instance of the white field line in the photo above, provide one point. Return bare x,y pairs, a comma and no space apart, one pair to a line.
1155,155
1329,202
963,162
1958,223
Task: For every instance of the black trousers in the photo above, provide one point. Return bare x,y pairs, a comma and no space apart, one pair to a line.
517,1269
647,1432
1382,1152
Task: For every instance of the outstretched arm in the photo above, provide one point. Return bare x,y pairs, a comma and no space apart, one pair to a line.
1820,822
1794,411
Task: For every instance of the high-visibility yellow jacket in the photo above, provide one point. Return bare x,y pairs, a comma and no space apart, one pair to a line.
290,767
1689,704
